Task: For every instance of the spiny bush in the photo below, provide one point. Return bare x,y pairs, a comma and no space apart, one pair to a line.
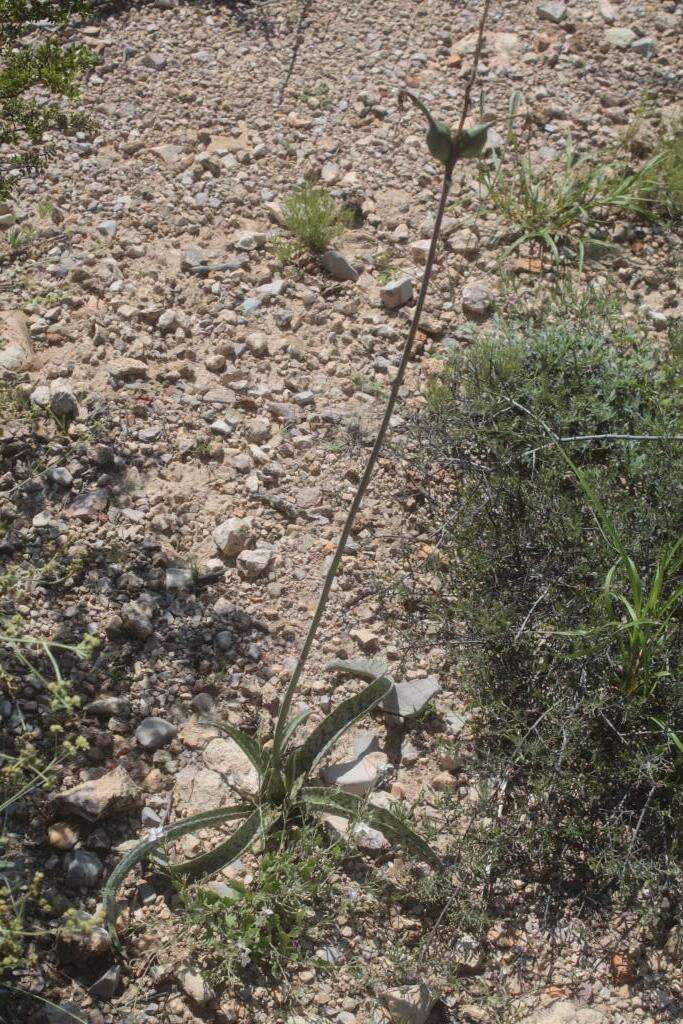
556,585
29,74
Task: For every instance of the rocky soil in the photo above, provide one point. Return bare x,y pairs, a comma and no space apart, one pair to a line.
198,438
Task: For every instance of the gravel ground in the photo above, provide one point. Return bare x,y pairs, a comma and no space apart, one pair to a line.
243,400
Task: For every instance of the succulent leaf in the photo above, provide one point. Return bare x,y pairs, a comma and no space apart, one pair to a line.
206,819
258,823
314,748
345,805
470,143
439,138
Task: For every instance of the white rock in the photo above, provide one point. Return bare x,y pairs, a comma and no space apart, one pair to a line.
253,564
232,536
411,1004
396,293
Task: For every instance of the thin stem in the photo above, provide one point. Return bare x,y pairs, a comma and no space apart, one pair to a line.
384,426
608,437
371,463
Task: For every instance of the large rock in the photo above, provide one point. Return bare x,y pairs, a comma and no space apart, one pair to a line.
16,350
566,1012
410,1004
99,798
410,697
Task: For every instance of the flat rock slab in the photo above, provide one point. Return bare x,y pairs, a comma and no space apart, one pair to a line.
99,798
358,668
410,697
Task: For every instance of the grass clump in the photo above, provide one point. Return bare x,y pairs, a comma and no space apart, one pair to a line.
313,218
555,584
567,202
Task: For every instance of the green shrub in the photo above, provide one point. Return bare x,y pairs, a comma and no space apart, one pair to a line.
560,604
29,73
313,217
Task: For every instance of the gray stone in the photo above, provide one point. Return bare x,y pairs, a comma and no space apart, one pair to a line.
410,1004
83,941
155,61
359,776
396,293
128,369
136,621
107,985
553,11
62,400
358,668
645,46
99,798
409,698
60,475
106,707
477,300
232,536
66,1013
153,733
179,579
107,228
82,868
253,564
337,265
607,11
15,341
621,38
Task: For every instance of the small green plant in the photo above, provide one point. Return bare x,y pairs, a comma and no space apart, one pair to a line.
284,795
24,119
266,927
19,238
313,218
386,268
565,203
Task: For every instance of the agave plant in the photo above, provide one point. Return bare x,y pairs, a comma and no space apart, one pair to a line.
284,796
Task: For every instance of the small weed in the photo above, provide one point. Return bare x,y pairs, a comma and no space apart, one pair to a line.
18,238
269,926
368,385
386,268
313,218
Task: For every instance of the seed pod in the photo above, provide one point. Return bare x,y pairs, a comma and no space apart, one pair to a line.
439,138
470,142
